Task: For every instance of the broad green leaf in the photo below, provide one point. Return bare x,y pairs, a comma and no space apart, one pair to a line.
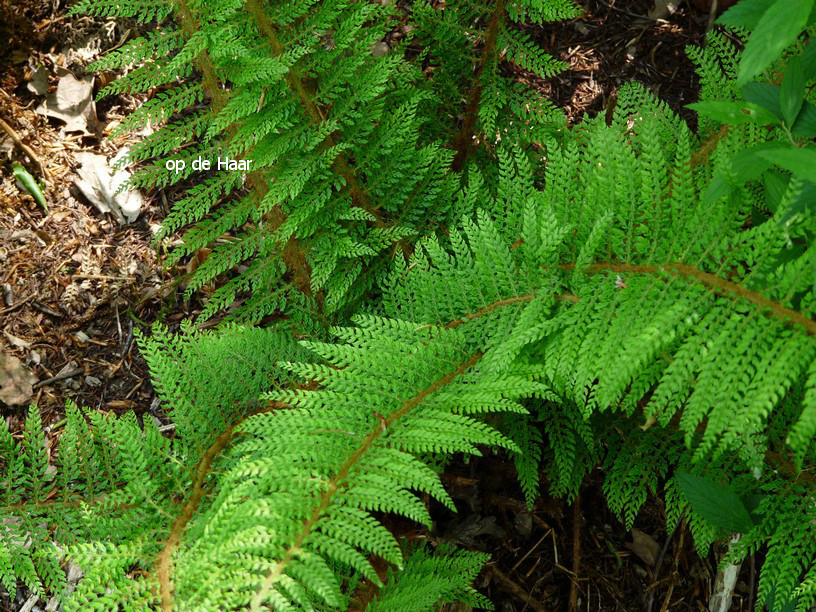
735,112
776,184
801,162
748,164
719,187
805,124
808,60
752,502
777,28
764,95
792,93
744,14
716,503
803,206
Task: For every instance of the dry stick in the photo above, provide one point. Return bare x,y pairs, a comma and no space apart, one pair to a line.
62,376
25,148
658,566
465,140
751,583
515,589
667,599
576,552
337,483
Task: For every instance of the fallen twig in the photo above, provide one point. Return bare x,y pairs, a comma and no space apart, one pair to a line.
61,376
37,305
15,306
508,584
658,565
25,148
576,551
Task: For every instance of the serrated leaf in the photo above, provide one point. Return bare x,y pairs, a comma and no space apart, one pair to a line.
808,59
777,28
764,95
803,206
735,112
801,162
792,93
716,503
748,164
776,184
745,14
805,124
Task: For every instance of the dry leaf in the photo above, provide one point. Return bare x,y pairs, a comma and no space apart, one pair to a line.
16,380
663,8
15,341
644,546
99,182
379,49
72,103
39,80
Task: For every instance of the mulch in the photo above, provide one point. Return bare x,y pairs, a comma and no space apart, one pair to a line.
614,43
75,284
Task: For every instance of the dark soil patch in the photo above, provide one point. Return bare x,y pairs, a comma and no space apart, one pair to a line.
614,43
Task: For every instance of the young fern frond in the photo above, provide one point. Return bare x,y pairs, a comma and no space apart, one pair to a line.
427,579
341,453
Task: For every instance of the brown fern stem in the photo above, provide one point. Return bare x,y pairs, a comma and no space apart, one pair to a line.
295,82
464,141
518,299
293,256
708,146
165,560
338,482
717,284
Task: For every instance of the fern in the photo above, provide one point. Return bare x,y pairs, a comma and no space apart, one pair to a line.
638,299
426,579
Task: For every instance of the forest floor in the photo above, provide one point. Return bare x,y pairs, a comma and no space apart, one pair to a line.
75,283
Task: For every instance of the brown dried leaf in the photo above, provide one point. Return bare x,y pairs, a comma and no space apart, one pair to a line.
72,103
16,380
644,546
663,8
99,182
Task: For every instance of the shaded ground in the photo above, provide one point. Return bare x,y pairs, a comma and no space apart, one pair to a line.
532,550
75,283
614,43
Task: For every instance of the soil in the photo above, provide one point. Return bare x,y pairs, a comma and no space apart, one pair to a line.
613,43
76,284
